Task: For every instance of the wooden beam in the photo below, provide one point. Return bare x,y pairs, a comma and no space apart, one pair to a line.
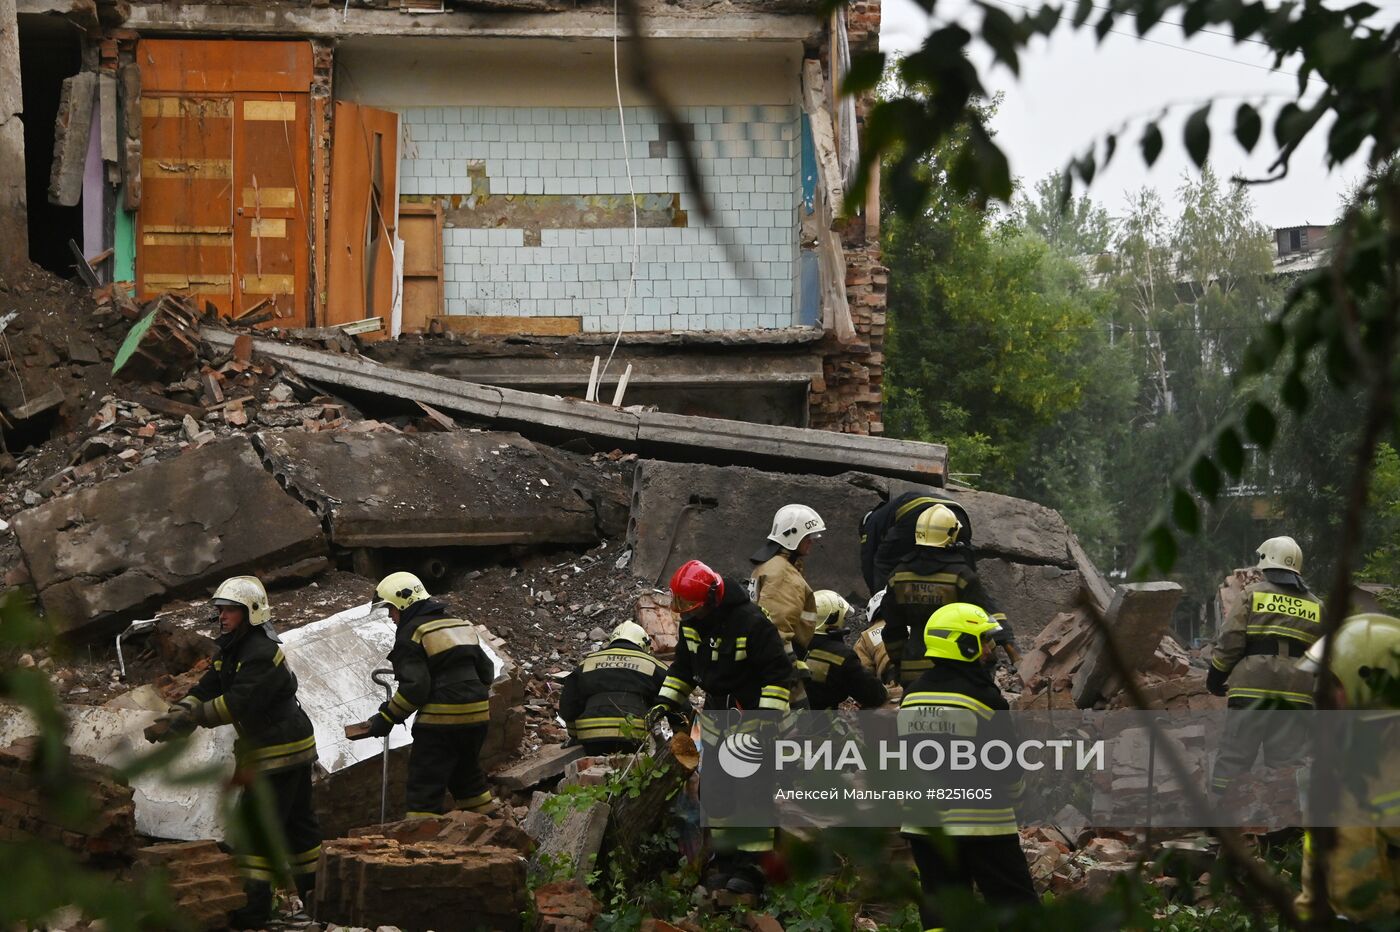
499,325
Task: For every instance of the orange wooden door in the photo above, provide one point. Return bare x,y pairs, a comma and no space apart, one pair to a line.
185,223
271,176
420,228
364,214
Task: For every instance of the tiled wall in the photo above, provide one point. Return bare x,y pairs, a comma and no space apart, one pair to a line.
741,272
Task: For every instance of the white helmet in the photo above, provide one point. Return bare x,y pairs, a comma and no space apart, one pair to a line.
1280,553
248,592
793,524
400,590
832,610
631,632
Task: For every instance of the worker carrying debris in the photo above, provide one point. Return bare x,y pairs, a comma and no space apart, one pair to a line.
444,675
837,673
975,841
607,697
938,573
1363,671
1254,661
250,686
729,648
887,533
780,589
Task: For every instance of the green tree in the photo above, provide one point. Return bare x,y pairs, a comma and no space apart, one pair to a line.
1075,226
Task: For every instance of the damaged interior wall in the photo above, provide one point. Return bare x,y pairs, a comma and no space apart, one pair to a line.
527,159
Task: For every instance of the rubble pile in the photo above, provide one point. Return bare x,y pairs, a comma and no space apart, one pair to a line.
203,882
107,837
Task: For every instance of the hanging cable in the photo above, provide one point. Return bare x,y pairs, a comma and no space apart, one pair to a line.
631,193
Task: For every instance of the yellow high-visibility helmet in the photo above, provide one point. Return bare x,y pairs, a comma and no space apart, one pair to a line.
1365,659
400,590
957,631
937,527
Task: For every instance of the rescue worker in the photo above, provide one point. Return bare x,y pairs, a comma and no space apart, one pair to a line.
1363,876
777,583
607,697
870,646
729,648
250,686
937,574
887,532
980,844
1254,660
837,673
444,676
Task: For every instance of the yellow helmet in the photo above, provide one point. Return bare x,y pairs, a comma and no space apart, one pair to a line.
1280,553
956,632
633,633
400,590
248,592
832,610
937,527
1365,654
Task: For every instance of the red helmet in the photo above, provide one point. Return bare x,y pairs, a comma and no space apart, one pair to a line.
694,586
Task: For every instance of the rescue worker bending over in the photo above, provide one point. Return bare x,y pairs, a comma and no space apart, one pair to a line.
1363,876
729,648
870,646
444,676
937,574
837,673
250,687
887,532
777,583
1254,660
607,697
982,847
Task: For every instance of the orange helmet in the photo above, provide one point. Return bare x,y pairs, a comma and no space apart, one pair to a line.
695,586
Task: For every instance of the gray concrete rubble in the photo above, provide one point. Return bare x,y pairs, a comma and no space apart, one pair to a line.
1029,557
165,806
1139,616
177,528
407,490
574,840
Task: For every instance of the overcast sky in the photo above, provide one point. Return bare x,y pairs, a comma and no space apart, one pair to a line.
1073,90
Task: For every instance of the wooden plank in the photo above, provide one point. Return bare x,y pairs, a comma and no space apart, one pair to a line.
420,228
493,325
275,154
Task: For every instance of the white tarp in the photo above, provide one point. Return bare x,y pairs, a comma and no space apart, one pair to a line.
333,659
164,809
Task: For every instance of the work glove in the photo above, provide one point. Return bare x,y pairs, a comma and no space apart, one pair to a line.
177,722
1215,681
804,672
379,726
674,716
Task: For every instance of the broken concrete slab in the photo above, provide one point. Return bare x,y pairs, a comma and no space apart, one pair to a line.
177,528
1140,614
429,490
571,842
795,449
547,763
76,102
166,806
1030,594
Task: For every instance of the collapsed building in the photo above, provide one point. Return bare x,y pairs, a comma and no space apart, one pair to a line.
470,170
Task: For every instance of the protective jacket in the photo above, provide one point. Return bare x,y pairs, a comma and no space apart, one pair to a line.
928,580
609,694
442,670
250,687
887,532
969,688
781,590
1272,625
735,654
837,674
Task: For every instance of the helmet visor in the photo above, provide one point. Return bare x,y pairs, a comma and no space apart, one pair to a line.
684,606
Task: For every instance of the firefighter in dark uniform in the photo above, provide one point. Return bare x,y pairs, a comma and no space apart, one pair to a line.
887,532
606,699
938,573
837,673
251,687
444,675
973,842
1254,661
729,648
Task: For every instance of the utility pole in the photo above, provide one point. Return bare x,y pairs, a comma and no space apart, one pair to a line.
14,222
